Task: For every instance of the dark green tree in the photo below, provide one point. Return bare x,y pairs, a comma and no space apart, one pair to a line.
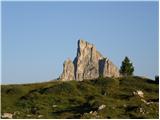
127,68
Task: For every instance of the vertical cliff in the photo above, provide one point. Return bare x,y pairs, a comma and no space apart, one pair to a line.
68,71
88,64
86,61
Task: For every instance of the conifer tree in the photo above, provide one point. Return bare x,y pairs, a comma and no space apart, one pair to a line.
127,68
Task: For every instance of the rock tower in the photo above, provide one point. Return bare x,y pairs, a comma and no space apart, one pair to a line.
88,64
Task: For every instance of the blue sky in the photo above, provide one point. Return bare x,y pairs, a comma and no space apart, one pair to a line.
38,36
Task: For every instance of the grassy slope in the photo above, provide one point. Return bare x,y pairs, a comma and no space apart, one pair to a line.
76,99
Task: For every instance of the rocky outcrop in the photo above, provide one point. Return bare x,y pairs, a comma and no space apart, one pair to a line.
7,116
107,68
87,61
88,64
68,71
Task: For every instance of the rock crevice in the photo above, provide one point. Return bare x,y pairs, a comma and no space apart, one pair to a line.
88,64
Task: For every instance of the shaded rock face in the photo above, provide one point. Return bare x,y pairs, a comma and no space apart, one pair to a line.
88,64
68,71
107,68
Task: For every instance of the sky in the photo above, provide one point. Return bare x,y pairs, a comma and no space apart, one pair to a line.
37,37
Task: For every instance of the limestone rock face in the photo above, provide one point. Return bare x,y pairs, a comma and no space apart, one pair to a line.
110,70
88,64
68,71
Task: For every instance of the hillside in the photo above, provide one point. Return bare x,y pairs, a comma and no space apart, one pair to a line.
127,97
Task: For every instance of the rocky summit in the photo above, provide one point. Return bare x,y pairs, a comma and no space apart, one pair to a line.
88,64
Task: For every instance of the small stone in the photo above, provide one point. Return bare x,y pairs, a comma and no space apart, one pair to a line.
134,93
29,115
101,107
144,101
94,113
139,93
91,112
125,105
39,116
54,106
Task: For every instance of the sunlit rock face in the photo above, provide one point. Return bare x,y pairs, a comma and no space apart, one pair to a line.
88,64
68,71
108,69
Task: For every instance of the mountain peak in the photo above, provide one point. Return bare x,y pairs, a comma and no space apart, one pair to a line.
83,42
88,64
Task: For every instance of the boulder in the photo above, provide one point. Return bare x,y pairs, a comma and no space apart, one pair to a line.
7,115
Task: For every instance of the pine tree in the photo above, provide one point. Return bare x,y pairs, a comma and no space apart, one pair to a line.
127,68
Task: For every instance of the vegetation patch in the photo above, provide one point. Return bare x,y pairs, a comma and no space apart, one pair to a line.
98,98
